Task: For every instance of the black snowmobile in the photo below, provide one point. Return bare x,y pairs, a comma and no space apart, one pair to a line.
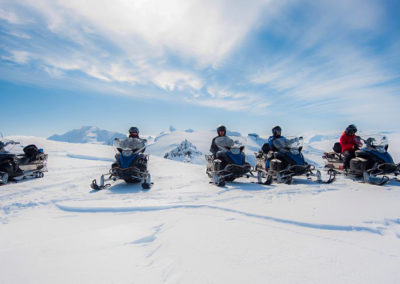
286,163
130,164
229,163
372,163
15,167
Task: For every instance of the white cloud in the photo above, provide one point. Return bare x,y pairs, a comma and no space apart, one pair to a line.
172,80
205,30
10,17
18,56
331,67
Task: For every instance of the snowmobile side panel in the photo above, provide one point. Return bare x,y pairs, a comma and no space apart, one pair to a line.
299,159
237,159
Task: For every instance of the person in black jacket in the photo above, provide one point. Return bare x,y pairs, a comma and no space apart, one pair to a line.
221,130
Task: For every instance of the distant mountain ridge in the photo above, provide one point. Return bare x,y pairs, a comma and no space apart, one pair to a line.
88,134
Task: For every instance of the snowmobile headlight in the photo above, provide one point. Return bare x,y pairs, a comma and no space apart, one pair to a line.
126,153
295,151
235,150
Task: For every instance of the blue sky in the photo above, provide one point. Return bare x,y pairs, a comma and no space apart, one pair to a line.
306,65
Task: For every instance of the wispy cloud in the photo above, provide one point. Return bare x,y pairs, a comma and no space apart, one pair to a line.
263,56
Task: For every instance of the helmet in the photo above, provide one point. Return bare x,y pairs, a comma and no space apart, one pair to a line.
351,129
134,129
277,129
221,128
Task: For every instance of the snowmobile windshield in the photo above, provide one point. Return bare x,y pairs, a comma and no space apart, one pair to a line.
379,142
234,144
224,142
238,144
7,145
292,144
129,144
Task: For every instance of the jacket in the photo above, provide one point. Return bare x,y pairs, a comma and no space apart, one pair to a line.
348,142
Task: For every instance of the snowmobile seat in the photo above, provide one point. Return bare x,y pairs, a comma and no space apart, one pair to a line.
337,148
31,151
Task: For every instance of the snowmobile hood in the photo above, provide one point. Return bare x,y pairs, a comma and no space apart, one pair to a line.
386,157
236,158
126,161
298,159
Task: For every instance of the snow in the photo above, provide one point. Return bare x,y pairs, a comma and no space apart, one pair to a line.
185,230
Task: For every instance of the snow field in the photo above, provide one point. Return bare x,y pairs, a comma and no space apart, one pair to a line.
185,230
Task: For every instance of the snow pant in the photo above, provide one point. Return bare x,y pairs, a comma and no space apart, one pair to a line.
286,161
347,156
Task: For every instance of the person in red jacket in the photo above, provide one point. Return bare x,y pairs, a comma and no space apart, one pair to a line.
350,143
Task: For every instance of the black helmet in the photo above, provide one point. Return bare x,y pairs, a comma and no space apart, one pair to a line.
351,129
134,129
221,128
277,129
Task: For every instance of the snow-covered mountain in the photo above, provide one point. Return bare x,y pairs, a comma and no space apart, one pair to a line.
185,230
185,152
88,134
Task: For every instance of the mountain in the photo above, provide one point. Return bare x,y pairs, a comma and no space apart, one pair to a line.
185,152
88,134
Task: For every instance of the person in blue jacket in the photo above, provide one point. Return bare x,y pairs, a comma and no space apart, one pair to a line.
270,146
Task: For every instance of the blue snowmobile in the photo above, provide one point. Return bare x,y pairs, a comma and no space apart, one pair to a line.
285,163
229,163
130,164
372,163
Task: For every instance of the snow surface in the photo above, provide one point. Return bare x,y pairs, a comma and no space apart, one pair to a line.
185,230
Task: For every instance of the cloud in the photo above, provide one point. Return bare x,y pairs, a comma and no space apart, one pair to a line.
10,17
286,56
18,56
333,66
203,30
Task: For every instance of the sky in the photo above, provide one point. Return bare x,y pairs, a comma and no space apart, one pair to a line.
250,65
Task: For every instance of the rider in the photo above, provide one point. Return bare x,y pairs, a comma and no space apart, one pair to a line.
221,141
221,131
270,145
349,143
275,143
133,139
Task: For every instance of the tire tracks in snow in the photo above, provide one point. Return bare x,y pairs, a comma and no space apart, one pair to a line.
347,228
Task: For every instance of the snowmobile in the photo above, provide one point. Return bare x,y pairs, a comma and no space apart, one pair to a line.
372,163
286,163
130,164
15,167
229,163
